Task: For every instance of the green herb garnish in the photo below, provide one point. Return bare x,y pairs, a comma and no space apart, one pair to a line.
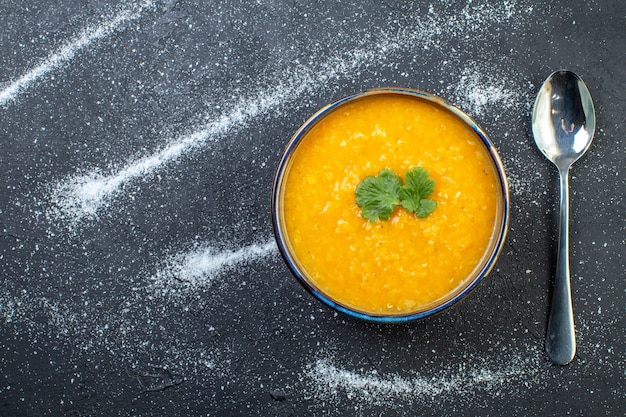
417,186
378,196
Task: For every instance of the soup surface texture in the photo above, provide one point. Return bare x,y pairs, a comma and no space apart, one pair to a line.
405,264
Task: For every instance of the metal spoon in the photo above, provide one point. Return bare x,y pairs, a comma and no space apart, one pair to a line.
563,123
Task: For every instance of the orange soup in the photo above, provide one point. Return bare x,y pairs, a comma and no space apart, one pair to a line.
404,264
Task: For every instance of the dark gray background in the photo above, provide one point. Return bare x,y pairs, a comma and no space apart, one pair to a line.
91,325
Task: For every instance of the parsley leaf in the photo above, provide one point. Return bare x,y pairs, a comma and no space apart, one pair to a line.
378,196
418,185
426,207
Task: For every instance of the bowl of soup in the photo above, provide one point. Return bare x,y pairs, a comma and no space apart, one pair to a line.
406,266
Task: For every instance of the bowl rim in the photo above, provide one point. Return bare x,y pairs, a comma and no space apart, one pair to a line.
289,258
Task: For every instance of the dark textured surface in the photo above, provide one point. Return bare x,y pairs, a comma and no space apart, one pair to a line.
99,314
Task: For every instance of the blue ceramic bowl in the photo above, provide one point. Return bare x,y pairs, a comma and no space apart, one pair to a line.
488,261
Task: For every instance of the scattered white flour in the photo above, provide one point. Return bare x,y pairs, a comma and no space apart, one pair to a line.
66,52
475,16
528,183
198,267
121,334
331,381
479,92
83,195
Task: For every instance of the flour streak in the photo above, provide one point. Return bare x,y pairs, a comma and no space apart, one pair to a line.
200,266
330,381
63,55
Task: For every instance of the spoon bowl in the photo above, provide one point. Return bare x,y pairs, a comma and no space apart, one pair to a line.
563,125
563,119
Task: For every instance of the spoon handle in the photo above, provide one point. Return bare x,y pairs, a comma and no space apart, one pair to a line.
561,339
